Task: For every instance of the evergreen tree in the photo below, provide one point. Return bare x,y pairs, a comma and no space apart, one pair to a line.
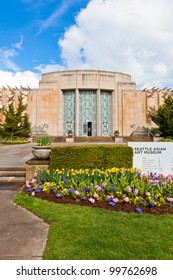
163,117
16,122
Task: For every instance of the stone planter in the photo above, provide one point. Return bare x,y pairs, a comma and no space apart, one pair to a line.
69,139
41,152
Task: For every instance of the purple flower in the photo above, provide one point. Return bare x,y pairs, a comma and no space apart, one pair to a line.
112,188
84,197
64,180
86,189
111,203
29,189
38,189
138,210
111,198
42,179
152,203
59,195
71,190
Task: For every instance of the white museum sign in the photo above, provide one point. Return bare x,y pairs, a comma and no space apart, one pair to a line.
153,156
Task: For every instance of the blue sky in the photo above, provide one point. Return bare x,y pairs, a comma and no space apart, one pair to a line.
131,36
30,30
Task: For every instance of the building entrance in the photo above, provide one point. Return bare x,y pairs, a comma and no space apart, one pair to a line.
89,128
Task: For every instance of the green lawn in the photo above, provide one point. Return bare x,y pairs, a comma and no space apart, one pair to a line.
82,233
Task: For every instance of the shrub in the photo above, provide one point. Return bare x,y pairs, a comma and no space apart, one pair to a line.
91,156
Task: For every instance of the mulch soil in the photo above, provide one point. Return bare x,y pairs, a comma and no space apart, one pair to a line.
125,207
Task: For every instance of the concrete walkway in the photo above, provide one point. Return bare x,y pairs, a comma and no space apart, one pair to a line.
23,236
15,155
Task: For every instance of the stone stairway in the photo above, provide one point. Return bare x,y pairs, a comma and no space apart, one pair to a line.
139,139
94,139
10,176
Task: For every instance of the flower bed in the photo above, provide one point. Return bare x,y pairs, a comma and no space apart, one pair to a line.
12,141
117,189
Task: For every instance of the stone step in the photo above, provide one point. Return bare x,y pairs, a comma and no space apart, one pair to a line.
9,173
12,179
138,139
94,139
12,175
11,168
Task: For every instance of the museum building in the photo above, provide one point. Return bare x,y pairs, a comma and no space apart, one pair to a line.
88,102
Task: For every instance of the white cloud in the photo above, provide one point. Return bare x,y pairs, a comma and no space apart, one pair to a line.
7,54
43,68
10,73
24,79
61,9
134,37
19,44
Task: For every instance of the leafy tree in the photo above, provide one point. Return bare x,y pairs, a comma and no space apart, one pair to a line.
16,122
163,117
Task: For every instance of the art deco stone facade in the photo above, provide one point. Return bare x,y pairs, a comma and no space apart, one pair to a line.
91,103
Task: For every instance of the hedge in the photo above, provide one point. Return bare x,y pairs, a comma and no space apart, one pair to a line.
91,156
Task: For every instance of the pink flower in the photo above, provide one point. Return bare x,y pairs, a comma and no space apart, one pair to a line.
33,193
129,189
28,185
115,200
136,191
104,184
98,188
148,194
27,182
169,199
76,193
108,196
95,195
48,184
126,199
92,200
33,181
35,174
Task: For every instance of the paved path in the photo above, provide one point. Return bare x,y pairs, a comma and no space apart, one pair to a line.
23,236
15,155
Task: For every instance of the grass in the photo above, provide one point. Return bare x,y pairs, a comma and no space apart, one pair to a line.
83,233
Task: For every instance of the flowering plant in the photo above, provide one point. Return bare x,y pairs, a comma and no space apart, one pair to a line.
112,185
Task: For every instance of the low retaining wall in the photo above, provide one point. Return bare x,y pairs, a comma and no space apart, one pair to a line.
32,166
